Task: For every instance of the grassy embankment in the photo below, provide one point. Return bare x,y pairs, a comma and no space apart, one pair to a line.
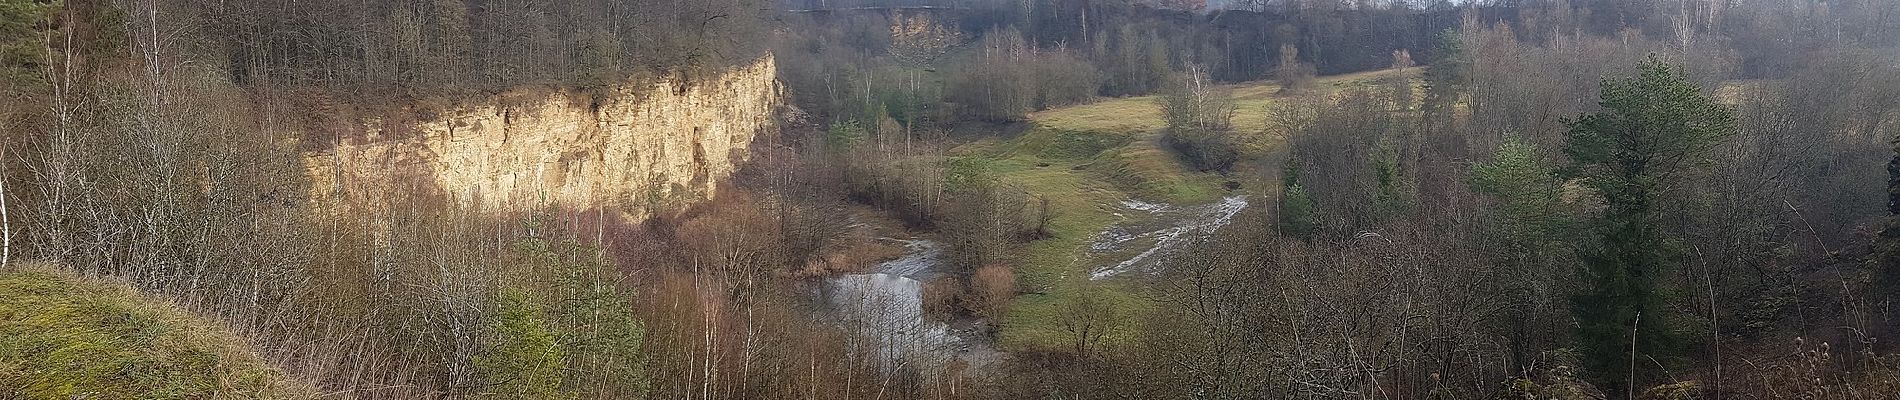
68,337
1087,158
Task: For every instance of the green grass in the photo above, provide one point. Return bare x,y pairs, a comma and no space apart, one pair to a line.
66,337
1085,174
1075,170
1252,102
1087,158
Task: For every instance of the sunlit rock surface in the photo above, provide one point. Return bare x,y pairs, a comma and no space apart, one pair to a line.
631,147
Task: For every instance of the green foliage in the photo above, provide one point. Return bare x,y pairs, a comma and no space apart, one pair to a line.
1658,122
590,316
1444,77
524,359
21,54
1391,198
969,174
1656,125
1525,185
887,98
1886,248
64,337
844,135
1527,230
1299,215
604,337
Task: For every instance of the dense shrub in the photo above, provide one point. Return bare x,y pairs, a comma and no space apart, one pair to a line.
1200,116
524,361
991,288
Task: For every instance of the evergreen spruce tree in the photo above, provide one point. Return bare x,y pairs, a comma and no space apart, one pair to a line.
1655,126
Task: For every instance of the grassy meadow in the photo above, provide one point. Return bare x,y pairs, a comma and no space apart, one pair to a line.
1085,159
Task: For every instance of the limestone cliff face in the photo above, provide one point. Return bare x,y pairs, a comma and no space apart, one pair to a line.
629,147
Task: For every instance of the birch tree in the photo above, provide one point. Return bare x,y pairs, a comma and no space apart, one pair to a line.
6,226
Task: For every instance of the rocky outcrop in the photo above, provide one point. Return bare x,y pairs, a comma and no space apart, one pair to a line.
631,147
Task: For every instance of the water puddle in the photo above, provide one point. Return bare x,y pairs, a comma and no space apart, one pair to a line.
886,307
1158,231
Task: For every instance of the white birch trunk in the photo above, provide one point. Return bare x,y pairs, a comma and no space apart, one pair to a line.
6,227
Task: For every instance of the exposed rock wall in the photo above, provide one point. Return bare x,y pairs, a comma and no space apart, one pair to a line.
631,147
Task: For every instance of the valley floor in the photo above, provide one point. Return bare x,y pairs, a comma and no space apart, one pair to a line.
1096,164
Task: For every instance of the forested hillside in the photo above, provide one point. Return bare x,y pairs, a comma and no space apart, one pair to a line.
973,199
170,144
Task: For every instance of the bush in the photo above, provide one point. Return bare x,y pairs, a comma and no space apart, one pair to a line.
1294,76
591,318
1205,150
1299,215
985,222
1200,118
524,361
991,288
1063,79
1350,161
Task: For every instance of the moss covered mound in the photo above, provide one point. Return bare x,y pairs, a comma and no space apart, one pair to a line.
67,337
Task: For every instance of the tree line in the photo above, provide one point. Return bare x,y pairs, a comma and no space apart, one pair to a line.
452,46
